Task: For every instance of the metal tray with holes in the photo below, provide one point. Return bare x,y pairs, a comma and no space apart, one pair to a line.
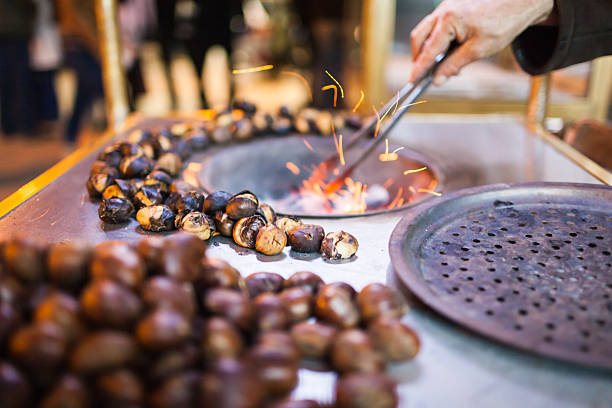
527,264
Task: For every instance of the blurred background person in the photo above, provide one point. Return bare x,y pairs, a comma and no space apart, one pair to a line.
16,26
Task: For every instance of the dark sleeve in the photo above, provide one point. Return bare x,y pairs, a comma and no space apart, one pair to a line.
584,33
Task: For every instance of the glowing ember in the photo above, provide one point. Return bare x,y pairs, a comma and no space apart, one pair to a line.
335,88
337,83
360,101
293,168
254,69
415,171
301,77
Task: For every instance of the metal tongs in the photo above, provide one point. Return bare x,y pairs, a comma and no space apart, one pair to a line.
409,94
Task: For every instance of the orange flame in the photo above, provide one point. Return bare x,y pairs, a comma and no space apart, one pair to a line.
293,168
301,77
254,69
335,88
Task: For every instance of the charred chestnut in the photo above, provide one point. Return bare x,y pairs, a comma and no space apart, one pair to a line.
313,339
267,212
261,282
196,223
170,162
111,156
217,273
110,304
305,279
366,390
135,166
339,245
215,202
118,261
102,351
243,204
189,201
270,312
156,218
161,291
224,224
230,304
298,303
40,345
162,329
97,183
148,196
393,339
246,230
306,238
270,240
352,350
221,339
116,210
335,304
377,300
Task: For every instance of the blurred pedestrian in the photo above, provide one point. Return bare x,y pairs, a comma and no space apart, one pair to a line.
16,24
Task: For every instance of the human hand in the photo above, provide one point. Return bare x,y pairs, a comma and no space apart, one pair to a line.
482,27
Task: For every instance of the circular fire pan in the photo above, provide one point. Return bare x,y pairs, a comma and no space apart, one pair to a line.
264,167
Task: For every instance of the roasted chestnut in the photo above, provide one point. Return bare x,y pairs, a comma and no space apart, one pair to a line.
243,129
196,223
276,369
189,201
98,182
270,240
159,186
62,310
298,303
306,238
305,279
14,387
156,218
352,350
42,344
174,361
262,122
103,167
377,300
111,156
149,249
393,339
287,223
261,282
102,351
170,162
313,339
323,122
198,139
180,390
128,149
281,125
115,210
224,224
162,329
118,261
246,230
335,304
221,339
135,166
138,135
110,304
181,257
120,388
24,259
148,196
217,273
181,186
270,312
267,212
230,384
339,245
230,304
366,390
161,291
160,176
216,201
243,204
69,391
120,188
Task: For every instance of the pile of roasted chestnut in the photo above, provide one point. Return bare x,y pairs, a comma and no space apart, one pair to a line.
157,323
137,178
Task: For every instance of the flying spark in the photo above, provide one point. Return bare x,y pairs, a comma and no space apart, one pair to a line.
301,77
335,88
360,101
415,170
254,69
337,83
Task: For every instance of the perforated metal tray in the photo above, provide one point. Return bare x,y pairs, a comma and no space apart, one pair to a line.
527,264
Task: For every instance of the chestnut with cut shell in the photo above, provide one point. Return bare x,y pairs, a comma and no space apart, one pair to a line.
98,182
246,230
170,162
215,202
135,166
243,204
270,240
156,218
339,245
148,196
189,201
160,176
267,212
306,238
115,210
224,224
196,223
287,223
